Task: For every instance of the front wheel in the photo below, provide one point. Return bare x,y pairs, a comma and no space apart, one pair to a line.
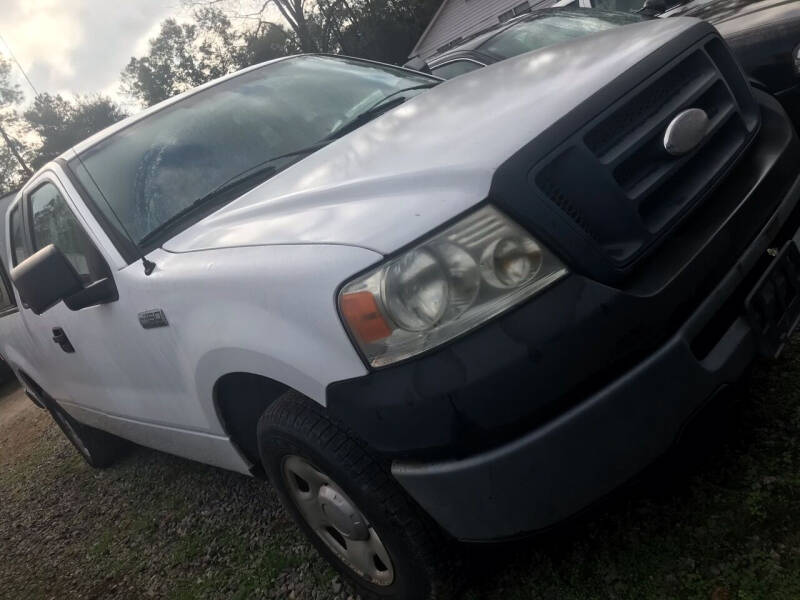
349,506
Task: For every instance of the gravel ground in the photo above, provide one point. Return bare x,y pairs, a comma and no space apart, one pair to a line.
719,520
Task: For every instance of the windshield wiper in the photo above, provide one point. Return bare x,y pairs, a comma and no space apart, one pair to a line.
386,103
263,168
254,175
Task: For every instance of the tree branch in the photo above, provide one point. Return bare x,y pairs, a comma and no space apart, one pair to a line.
12,147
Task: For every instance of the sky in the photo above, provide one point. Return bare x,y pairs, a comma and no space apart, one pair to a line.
79,46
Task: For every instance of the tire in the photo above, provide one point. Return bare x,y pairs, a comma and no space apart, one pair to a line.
98,448
410,557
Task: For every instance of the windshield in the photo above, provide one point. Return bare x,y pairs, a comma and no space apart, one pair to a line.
154,170
551,29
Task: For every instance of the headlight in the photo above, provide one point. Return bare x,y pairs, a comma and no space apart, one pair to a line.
448,284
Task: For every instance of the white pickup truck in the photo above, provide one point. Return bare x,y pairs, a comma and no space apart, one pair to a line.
425,310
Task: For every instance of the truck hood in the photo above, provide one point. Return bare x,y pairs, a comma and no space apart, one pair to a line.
417,166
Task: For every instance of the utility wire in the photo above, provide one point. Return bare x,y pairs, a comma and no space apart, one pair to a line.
14,58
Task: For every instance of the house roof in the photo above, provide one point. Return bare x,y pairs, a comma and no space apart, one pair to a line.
429,27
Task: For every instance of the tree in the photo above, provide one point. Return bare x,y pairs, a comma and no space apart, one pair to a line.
185,55
385,30
376,29
182,56
10,176
13,153
266,41
299,15
61,123
226,35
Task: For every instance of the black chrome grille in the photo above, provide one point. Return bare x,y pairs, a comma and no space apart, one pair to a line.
615,181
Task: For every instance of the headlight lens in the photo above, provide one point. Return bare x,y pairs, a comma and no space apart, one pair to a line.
415,290
509,262
449,284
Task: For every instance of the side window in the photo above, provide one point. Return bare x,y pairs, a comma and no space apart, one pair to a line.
55,223
18,252
455,68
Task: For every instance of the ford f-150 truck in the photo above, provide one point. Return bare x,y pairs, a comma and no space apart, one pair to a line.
426,311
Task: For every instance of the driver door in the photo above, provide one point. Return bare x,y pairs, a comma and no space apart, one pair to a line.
43,217
101,357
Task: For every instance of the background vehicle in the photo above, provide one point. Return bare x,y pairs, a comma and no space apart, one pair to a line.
764,35
426,311
528,32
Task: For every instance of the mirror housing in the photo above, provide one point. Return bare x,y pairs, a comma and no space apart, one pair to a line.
47,277
101,291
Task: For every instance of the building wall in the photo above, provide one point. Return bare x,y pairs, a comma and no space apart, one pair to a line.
459,18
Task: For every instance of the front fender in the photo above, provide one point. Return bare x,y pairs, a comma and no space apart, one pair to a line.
266,310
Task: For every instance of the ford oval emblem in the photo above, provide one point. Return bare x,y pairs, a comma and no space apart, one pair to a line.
686,131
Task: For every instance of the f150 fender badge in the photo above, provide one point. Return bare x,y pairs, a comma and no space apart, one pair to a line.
685,132
150,319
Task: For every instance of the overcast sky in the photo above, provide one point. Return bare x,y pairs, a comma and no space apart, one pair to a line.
79,46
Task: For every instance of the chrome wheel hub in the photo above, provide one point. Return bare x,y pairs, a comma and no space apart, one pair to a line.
336,519
342,514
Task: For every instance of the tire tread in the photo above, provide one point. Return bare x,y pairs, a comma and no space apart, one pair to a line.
295,414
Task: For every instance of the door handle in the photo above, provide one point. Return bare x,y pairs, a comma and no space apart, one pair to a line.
60,338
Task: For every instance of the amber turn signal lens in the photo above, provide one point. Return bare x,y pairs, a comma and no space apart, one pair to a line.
363,316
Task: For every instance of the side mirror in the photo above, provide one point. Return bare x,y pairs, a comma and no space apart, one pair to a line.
47,277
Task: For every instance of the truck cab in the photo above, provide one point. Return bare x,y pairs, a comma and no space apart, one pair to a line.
426,310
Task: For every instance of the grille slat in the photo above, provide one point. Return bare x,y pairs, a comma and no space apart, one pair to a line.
668,169
613,178
632,141
662,92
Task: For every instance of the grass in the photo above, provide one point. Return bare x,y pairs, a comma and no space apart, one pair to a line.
718,520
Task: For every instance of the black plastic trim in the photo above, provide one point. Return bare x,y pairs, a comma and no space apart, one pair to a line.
512,192
564,466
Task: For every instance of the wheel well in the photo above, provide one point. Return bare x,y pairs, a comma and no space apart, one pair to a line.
240,400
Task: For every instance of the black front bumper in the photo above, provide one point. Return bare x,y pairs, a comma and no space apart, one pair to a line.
541,412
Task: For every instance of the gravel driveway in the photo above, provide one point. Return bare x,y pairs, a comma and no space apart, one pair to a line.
720,521
152,526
